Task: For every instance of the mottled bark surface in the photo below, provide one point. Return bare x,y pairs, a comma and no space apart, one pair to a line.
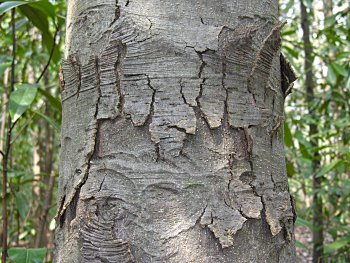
172,141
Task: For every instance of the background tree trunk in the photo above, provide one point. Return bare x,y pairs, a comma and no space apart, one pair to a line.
317,207
172,146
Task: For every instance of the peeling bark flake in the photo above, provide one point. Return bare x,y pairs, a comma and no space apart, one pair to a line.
277,208
287,76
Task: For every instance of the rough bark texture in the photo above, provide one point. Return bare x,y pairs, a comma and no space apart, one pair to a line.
172,146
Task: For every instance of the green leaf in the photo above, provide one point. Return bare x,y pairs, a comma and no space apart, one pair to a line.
339,69
24,255
46,7
290,169
21,24
61,20
54,102
304,151
303,222
329,167
37,17
288,139
21,99
6,6
48,42
331,75
336,245
3,67
300,245
54,124
22,204
294,53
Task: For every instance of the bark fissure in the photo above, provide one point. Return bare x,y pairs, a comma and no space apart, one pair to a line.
117,67
178,162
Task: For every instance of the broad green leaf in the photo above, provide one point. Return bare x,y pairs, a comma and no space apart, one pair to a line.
331,75
329,167
290,169
22,204
21,24
37,17
6,6
288,140
294,53
303,222
46,7
48,42
54,102
40,20
21,99
54,124
24,255
339,69
336,245
304,151
61,20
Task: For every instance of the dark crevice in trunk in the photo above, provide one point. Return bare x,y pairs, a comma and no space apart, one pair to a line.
118,67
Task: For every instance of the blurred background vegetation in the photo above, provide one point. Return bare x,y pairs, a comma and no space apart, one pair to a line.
316,41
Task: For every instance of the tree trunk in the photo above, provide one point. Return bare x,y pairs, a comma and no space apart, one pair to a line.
317,206
172,140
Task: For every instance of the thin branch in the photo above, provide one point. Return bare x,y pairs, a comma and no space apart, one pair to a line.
37,81
50,57
8,145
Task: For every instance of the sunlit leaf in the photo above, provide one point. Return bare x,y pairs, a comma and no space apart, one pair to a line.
339,69
46,7
331,75
21,99
6,6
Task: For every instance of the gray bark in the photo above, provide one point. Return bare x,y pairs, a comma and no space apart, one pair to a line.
172,139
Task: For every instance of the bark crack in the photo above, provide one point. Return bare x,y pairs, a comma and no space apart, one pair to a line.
116,14
182,94
154,91
76,189
117,68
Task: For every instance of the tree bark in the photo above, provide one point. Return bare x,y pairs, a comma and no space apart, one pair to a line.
172,146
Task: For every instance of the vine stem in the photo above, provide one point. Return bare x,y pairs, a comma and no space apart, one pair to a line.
6,154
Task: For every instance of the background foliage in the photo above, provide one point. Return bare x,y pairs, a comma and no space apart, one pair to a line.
35,111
